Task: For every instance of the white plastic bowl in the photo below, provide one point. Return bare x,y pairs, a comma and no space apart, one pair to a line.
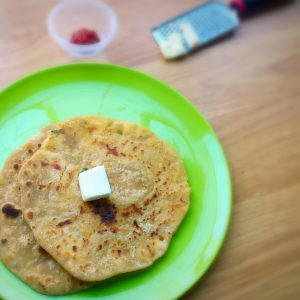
71,15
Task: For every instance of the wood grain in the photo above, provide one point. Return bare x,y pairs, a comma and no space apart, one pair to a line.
248,87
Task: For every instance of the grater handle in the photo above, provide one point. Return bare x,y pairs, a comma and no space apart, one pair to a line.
245,7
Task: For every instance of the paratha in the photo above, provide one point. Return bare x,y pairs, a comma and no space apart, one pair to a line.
127,231
18,249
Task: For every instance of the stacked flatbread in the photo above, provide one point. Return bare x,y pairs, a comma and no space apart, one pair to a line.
56,242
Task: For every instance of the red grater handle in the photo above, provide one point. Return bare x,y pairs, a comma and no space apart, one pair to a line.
245,7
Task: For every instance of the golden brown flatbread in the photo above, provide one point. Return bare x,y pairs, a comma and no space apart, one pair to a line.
18,248
128,230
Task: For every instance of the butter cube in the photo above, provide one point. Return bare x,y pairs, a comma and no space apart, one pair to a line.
94,184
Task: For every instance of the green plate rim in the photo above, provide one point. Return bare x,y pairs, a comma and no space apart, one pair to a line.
185,101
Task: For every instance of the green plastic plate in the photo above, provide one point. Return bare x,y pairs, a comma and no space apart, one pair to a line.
66,91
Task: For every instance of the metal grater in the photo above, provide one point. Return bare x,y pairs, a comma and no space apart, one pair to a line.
195,28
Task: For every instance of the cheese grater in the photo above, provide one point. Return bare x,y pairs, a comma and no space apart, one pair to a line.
201,26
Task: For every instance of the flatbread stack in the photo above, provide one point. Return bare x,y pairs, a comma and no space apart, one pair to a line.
56,242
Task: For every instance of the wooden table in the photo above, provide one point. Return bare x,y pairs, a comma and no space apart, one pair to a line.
248,87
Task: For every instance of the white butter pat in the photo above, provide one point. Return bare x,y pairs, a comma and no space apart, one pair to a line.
94,184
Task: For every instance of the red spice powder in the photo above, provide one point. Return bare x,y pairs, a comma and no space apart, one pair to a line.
85,36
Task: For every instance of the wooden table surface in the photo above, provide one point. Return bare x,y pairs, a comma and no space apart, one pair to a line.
248,87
